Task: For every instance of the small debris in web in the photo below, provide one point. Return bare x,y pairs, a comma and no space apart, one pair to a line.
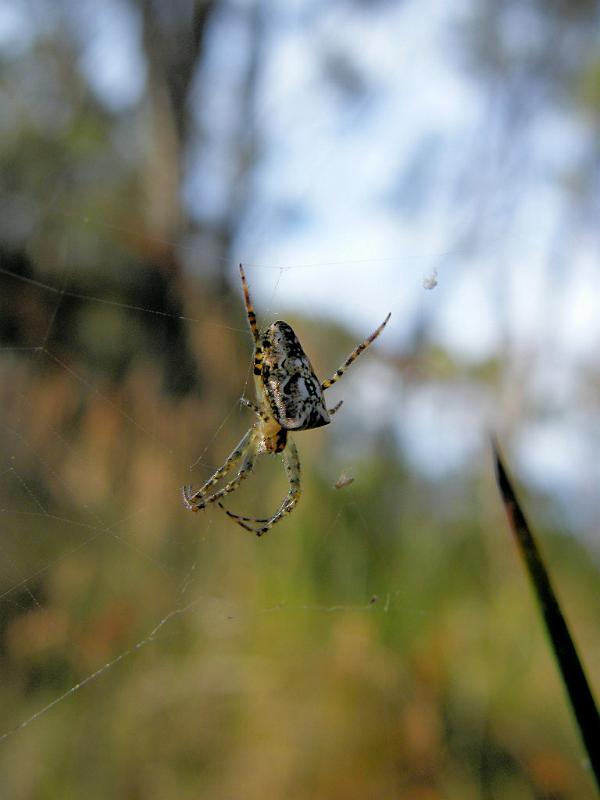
374,599
343,481
431,281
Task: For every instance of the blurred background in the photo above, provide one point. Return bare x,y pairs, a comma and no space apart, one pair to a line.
436,160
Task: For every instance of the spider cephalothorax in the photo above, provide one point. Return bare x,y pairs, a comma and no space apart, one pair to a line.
289,398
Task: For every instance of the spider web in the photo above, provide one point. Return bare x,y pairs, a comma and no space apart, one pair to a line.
91,524
26,508
186,555
103,597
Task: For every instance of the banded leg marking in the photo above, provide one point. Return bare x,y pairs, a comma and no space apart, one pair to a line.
337,406
246,450
291,463
249,307
354,355
253,407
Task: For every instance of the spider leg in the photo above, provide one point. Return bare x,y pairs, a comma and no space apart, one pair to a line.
258,353
337,406
291,463
249,306
259,413
246,450
239,519
354,355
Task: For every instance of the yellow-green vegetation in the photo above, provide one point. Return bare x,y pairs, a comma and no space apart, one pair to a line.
382,642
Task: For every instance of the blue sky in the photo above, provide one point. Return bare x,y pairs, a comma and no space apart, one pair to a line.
361,197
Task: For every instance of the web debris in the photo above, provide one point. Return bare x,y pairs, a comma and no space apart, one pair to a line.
343,481
431,281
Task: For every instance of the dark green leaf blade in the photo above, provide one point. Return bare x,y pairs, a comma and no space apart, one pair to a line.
571,668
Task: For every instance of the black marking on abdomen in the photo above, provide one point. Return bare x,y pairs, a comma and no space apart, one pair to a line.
293,390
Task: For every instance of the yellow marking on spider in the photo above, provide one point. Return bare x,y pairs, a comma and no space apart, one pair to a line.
289,397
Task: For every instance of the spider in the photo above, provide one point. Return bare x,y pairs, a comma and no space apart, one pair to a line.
289,398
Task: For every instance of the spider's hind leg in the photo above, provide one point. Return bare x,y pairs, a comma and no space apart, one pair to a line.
241,520
291,462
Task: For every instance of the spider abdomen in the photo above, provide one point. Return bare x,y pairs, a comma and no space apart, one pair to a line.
293,389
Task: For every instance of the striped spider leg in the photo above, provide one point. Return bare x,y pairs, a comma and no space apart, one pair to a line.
291,463
289,398
354,355
245,452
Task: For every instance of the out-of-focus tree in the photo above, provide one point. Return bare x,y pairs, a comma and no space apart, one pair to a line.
93,194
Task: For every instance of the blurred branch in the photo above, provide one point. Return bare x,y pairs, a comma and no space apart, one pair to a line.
573,674
174,39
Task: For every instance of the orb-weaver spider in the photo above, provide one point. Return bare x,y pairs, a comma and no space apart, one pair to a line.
289,398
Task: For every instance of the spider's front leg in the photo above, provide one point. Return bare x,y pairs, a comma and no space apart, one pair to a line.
246,452
253,407
354,355
251,316
291,463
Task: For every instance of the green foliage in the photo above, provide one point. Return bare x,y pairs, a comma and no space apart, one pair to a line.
380,642
568,661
